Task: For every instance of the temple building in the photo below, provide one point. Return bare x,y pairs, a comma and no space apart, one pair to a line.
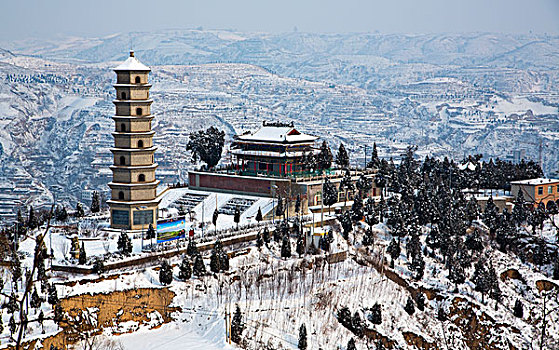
276,149
134,203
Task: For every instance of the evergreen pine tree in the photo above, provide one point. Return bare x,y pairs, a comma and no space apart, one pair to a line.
52,295
95,202
494,290
214,262
266,235
259,217
409,307
413,247
418,265
344,317
364,185
490,216
357,208
472,210
12,305
351,344
237,326
83,257
420,301
224,261
376,314
191,249
61,214
394,250
98,267
368,237
518,310
456,273
480,278
324,157
150,233
80,212
237,216
35,299
185,271
556,266
279,207
199,267
552,208
214,218
302,344
519,212
473,241
286,247
41,319
346,186
300,246
347,224
441,314
375,161
357,324
124,244
58,313
12,325
342,158
329,194
32,221
165,273
540,255
206,145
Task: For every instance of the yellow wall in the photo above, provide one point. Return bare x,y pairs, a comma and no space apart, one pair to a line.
130,77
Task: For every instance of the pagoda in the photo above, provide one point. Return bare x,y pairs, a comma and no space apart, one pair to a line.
134,203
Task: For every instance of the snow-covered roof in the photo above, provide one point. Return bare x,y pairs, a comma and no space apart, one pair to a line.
270,133
535,182
132,63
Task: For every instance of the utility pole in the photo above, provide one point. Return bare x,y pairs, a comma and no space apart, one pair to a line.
365,161
226,326
203,206
229,314
322,204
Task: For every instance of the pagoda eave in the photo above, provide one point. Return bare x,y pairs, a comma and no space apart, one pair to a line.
132,167
134,150
152,184
128,117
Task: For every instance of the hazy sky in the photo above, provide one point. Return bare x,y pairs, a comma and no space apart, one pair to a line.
46,18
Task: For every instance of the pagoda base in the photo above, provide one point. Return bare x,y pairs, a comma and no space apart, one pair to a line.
133,215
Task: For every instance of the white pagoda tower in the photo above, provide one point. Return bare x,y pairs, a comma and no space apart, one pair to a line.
134,201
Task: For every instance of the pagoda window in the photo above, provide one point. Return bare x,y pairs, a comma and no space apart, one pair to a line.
123,127
138,111
141,178
123,96
140,144
122,160
121,195
137,80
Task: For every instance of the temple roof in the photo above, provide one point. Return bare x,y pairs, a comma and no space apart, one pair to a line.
277,133
132,64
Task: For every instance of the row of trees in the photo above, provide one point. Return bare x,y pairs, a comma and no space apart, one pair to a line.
471,173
